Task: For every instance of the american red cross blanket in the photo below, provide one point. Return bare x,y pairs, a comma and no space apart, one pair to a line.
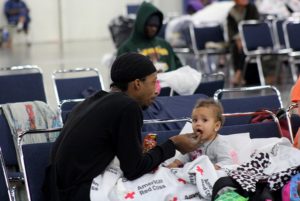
192,182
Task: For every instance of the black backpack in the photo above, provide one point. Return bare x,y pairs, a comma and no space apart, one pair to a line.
262,192
120,29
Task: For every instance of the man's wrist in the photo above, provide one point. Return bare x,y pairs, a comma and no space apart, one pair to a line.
174,141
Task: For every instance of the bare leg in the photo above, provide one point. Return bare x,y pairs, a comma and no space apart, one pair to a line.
237,78
9,43
20,25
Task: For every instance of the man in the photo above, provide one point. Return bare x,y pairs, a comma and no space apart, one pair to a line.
242,10
108,125
144,39
17,15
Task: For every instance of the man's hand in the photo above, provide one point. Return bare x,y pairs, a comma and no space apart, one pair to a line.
186,142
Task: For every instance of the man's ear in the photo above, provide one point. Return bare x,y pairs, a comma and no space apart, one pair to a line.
137,84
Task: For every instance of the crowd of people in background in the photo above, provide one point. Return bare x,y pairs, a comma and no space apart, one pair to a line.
233,12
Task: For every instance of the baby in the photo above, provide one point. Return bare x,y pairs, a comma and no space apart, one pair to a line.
207,120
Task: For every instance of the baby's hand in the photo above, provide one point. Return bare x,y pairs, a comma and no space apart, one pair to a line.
172,165
175,164
217,167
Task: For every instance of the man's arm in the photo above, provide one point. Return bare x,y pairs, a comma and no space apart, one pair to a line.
129,147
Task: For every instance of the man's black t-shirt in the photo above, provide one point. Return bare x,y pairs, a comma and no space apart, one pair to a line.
102,127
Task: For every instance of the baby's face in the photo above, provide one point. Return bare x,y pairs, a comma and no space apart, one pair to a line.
204,123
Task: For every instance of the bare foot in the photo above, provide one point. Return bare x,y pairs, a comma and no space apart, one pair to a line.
237,79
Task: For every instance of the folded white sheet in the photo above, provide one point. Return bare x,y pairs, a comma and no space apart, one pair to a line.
184,80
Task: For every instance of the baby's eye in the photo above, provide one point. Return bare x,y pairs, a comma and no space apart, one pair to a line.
194,120
204,120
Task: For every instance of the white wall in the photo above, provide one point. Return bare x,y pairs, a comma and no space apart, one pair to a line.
81,19
44,20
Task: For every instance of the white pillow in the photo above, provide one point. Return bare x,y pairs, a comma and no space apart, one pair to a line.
238,141
241,143
187,128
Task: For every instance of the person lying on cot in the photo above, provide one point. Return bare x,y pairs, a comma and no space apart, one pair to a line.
207,120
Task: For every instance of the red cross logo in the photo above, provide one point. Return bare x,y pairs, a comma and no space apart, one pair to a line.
182,180
130,195
200,170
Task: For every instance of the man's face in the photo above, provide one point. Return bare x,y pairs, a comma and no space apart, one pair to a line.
147,92
242,2
151,30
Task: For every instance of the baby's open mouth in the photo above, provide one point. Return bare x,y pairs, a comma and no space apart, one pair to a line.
199,131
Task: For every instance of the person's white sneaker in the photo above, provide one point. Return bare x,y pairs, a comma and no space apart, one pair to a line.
20,26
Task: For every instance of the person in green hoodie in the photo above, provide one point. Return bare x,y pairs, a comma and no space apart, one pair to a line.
144,40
